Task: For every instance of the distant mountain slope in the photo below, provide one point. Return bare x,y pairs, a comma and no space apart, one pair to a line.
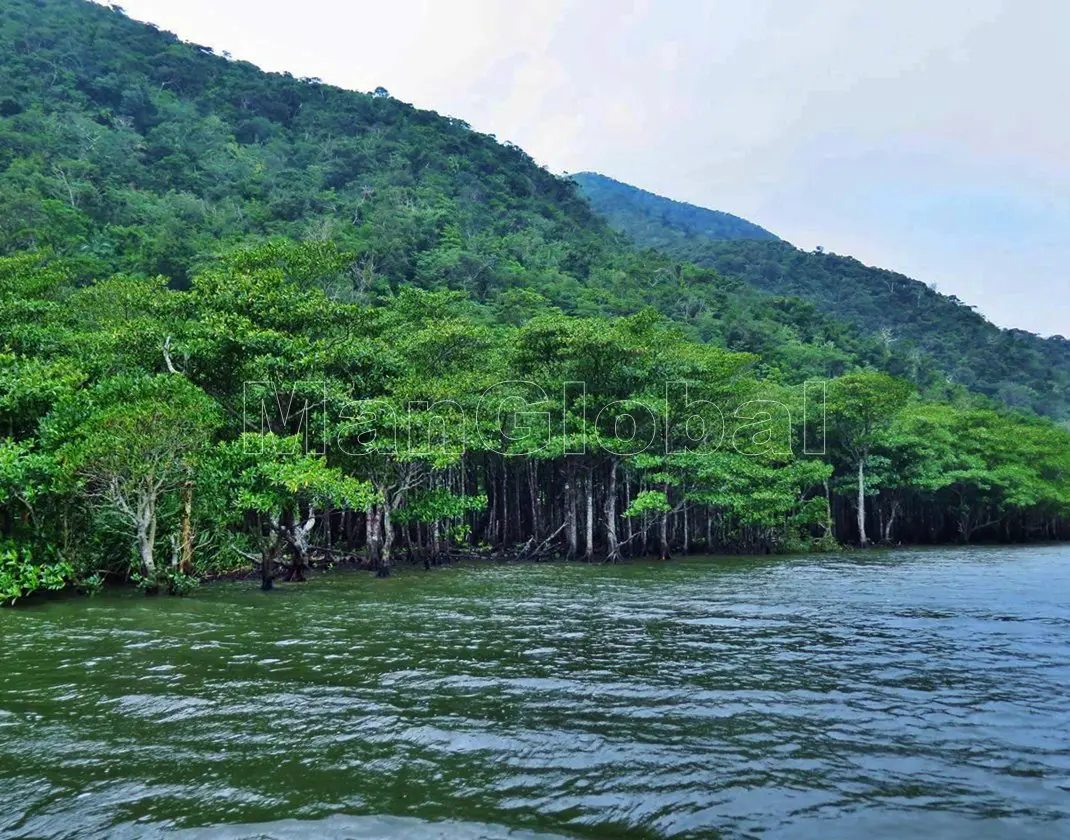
1016,367
661,220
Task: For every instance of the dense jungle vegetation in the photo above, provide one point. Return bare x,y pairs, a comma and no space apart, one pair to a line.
249,321
1015,367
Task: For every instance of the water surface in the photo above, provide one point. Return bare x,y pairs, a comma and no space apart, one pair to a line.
879,695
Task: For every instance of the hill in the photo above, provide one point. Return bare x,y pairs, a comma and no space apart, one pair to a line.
657,221
1013,366
123,149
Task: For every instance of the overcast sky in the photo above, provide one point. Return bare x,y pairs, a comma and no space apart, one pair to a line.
927,136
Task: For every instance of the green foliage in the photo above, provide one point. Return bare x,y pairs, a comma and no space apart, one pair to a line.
982,465
90,584
179,583
648,502
267,474
438,505
420,410
22,574
861,405
133,429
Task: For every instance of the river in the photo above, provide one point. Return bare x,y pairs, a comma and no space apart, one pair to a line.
885,694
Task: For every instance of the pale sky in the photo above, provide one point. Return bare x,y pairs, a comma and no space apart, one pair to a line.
930,137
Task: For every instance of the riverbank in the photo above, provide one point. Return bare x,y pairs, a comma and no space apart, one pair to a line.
357,565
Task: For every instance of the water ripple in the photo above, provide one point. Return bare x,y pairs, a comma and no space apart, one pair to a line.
899,692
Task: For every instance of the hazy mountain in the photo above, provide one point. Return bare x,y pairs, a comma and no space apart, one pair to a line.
1014,366
659,221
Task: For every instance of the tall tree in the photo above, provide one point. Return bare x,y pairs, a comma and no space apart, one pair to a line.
861,407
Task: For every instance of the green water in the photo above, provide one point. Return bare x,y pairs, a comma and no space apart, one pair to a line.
900,694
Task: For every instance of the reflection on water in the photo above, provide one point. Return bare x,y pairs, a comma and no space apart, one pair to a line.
877,696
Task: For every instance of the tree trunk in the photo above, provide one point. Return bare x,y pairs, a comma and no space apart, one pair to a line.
349,526
372,527
589,544
517,507
890,523
863,540
299,539
570,512
146,540
533,491
505,504
267,578
492,510
612,547
664,531
830,525
267,553
388,542
186,533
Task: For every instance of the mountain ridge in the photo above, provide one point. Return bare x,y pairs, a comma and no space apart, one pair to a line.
1015,366
614,197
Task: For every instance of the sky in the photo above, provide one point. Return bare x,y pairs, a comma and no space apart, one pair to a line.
931,137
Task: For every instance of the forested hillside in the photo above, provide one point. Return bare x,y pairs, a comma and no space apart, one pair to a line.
122,149
252,321
1016,367
656,222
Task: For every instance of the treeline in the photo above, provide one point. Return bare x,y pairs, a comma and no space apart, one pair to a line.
268,419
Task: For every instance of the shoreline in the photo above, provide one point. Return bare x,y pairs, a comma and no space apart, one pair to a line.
251,575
